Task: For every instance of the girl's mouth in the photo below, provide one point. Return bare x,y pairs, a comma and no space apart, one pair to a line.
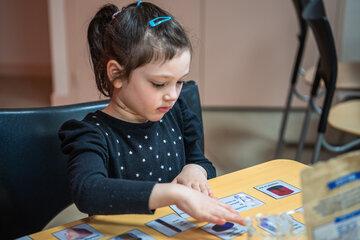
164,109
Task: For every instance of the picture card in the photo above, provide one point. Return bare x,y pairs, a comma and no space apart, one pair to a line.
171,225
134,234
81,231
240,202
227,231
278,189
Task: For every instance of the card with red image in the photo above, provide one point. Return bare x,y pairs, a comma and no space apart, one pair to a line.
278,189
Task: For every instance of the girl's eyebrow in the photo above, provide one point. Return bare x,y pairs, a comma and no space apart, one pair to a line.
167,76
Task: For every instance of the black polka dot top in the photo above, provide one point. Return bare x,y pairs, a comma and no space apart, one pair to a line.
113,165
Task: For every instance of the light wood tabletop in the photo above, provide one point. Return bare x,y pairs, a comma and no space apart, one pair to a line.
346,116
348,77
241,181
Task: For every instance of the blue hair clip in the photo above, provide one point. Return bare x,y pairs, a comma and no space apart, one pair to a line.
138,3
159,20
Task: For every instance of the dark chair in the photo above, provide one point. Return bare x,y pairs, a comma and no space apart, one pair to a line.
190,92
348,72
32,168
299,6
314,14
33,182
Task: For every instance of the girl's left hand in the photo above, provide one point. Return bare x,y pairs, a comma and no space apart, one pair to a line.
195,177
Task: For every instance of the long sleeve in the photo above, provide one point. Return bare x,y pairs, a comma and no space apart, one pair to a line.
93,190
192,134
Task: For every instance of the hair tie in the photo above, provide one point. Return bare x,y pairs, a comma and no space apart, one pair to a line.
159,20
115,14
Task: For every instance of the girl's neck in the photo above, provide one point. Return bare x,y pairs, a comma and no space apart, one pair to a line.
119,110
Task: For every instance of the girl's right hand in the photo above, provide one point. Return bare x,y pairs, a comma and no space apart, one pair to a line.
205,208
196,204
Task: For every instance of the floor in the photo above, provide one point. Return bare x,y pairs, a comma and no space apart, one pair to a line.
238,139
233,139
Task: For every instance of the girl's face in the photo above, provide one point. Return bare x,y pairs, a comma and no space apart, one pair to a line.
152,89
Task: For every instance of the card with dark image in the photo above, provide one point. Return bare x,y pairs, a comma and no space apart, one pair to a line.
171,225
226,231
278,189
78,232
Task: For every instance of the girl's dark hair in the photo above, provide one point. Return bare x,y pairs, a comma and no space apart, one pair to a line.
127,38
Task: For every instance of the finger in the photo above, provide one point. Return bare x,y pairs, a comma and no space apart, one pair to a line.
188,184
229,208
196,187
204,189
225,205
232,217
211,194
180,181
226,212
216,220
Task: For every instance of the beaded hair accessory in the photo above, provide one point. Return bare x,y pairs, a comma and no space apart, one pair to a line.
115,14
138,4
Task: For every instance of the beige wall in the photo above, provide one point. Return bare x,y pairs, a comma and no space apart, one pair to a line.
250,49
244,49
24,38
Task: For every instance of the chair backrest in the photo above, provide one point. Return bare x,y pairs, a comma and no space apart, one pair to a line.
33,182
32,168
315,15
190,92
299,6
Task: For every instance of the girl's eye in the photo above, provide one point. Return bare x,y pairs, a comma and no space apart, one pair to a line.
156,85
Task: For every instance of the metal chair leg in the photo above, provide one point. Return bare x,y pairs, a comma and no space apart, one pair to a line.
284,120
343,148
304,130
317,148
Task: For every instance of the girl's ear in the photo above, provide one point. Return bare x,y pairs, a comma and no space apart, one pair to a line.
114,69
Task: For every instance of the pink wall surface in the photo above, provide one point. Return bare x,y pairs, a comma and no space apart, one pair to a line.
24,38
250,50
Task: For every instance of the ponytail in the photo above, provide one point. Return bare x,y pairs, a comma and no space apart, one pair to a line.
96,39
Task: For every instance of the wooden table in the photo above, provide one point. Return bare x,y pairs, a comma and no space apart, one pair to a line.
240,181
345,116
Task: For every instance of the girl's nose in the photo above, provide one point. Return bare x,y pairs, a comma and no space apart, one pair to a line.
171,95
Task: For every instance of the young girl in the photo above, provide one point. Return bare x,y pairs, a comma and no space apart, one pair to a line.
143,150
